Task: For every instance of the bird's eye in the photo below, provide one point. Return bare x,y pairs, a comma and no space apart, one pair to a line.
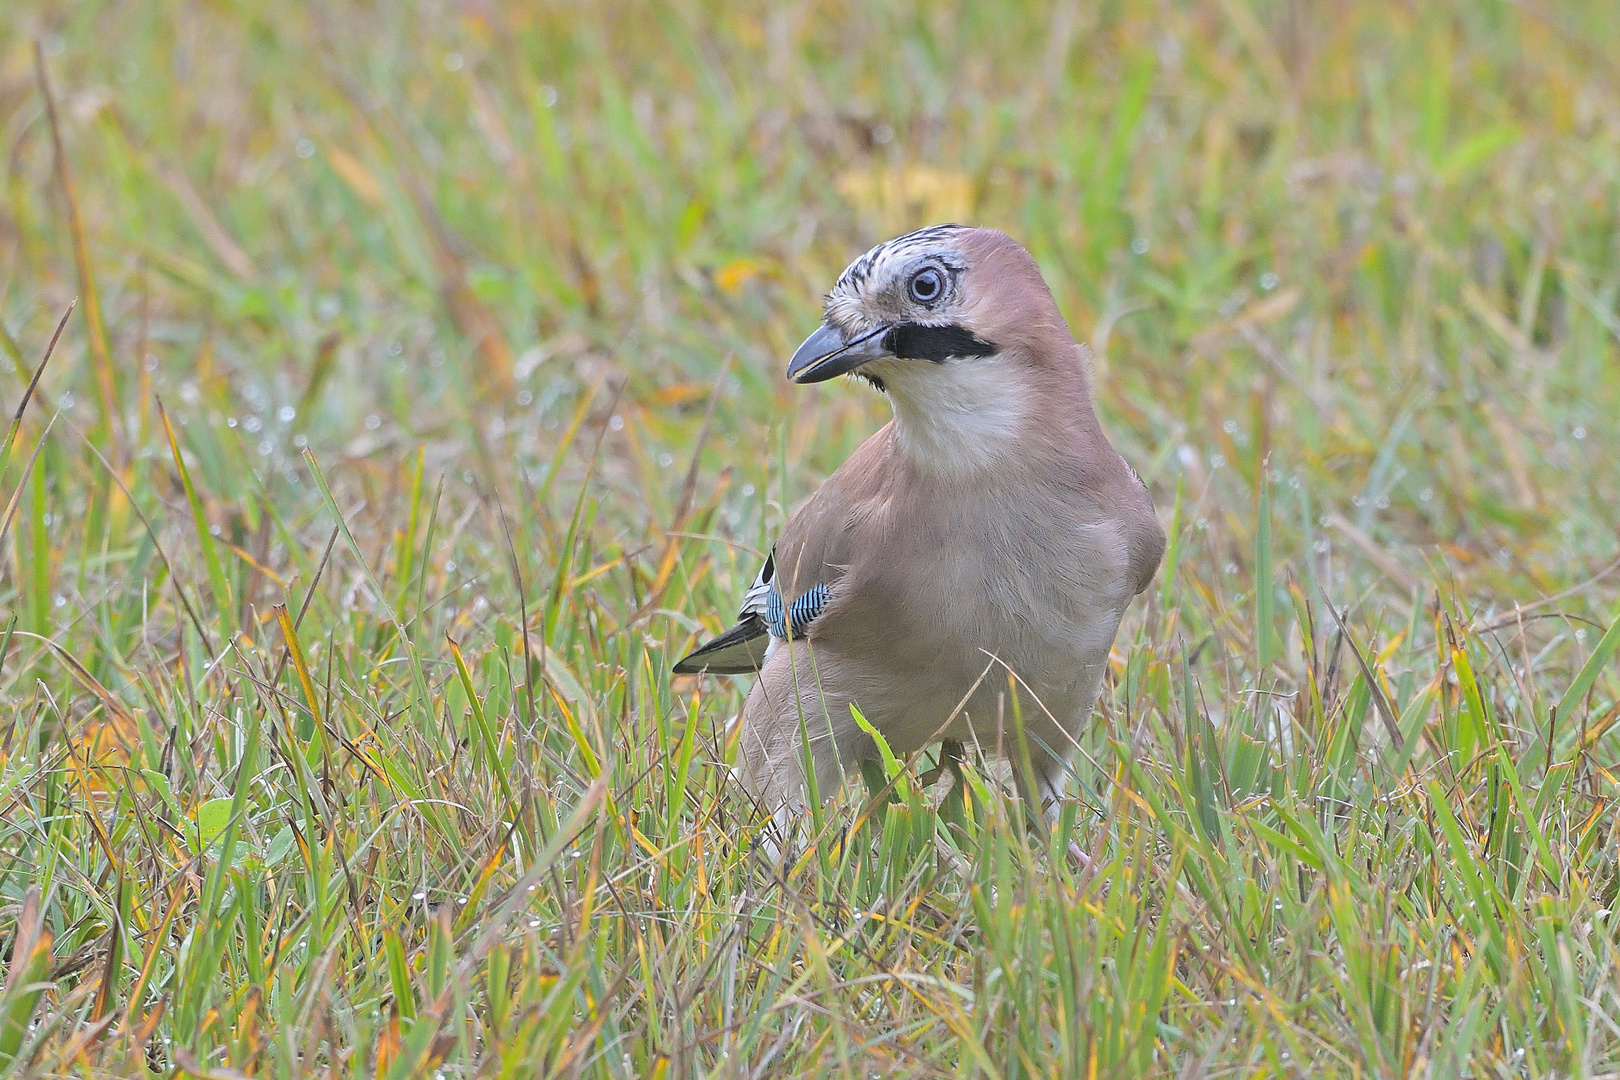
926,285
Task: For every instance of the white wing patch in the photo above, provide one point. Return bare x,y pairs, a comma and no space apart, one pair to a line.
757,598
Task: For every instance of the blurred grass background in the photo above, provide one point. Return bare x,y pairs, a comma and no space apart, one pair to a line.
423,402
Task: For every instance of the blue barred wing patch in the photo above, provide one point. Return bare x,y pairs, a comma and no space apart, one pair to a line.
792,621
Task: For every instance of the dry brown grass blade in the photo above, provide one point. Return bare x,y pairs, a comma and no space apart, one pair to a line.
471,315
100,355
1375,554
683,509
82,673
116,934
16,422
1519,612
157,546
289,636
29,937
33,382
1381,703
214,233
16,496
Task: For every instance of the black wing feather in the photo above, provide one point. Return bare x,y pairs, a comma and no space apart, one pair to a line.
738,651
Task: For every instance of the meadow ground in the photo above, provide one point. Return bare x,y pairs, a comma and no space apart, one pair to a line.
423,401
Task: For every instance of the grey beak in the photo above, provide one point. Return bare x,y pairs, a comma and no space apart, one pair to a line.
825,353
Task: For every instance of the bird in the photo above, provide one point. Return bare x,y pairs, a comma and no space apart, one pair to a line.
985,541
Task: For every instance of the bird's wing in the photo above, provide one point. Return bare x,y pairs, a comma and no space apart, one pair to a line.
739,651
1145,539
801,574
764,618
743,648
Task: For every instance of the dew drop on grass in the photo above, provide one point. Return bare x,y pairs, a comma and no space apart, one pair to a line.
666,460
286,413
1578,432
304,148
1140,245
748,491
616,422
68,400
454,61
373,422
548,96
1268,281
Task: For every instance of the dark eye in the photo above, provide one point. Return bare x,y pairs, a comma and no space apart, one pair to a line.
926,285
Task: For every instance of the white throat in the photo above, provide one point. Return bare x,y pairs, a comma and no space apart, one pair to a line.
960,417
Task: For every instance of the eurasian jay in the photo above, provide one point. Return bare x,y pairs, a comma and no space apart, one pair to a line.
989,529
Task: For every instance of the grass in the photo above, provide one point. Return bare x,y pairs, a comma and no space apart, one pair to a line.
423,402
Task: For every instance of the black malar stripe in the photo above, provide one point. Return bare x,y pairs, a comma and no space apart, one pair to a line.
915,341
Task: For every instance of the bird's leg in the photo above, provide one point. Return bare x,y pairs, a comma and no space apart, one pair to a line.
1048,788
953,807
1039,783
950,756
1052,804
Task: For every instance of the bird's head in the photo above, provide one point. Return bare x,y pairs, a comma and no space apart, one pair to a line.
957,326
